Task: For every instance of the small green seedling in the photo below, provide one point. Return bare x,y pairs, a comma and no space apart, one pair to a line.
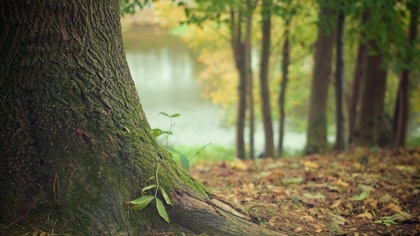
143,201
158,132
185,161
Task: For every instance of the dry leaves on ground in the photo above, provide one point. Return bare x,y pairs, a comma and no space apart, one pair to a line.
357,192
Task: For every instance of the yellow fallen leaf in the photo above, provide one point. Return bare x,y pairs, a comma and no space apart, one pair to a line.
342,183
373,203
298,229
335,204
239,165
393,207
307,218
310,164
365,215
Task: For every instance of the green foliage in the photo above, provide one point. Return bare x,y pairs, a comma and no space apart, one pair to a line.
144,201
394,219
130,6
156,132
360,197
185,161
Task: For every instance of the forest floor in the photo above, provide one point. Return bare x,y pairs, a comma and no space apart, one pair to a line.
357,192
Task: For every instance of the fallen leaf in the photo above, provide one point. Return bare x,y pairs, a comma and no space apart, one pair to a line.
342,183
311,196
298,229
339,220
393,207
365,215
311,165
239,165
335,204
307,218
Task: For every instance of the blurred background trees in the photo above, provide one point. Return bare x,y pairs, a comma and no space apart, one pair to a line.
366,53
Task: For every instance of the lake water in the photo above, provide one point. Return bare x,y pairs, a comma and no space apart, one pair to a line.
165,72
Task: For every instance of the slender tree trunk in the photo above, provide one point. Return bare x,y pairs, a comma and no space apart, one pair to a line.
357,82
249,78
402,106
339,78
75,144
239,56
283,86
317,121
265,91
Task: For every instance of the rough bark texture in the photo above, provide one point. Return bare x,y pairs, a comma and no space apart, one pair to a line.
339,78
317,121
265,91
402,107
74,142
283,86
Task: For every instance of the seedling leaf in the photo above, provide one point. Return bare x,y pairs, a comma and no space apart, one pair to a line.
185,162
157,132
165,196
161,210
142,202
148,187
164,113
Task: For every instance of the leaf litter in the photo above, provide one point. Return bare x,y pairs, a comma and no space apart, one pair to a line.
356,192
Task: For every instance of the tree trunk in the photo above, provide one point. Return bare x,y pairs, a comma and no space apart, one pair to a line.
358,75
239,56
402,106
371,115
75,144
357,81
283,86
250,83
317,121
265,91
339,78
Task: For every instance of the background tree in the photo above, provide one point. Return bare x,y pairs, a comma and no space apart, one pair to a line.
402,105
75,144
265,91
238,47
317,120
250,82
383,32
339,79
236,20
286,12
357,76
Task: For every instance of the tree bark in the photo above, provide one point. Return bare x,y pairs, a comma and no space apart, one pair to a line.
317,121
370,118
250,82
402,106
339,78
75,144
283,86
357,82
265,91
238,49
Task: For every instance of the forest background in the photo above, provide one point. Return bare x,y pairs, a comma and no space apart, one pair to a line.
374,42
